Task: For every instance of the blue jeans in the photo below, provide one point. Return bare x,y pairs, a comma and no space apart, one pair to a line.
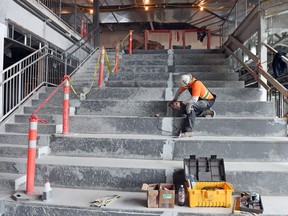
198,109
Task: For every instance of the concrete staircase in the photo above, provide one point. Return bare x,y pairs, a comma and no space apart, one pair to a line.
116,143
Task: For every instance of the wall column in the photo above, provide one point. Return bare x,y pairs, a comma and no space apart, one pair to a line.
96,20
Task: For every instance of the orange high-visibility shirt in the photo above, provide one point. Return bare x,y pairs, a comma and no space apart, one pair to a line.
197,88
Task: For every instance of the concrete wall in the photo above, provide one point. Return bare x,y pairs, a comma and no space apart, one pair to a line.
108,39
10,10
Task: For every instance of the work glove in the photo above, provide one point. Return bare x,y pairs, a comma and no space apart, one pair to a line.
171,103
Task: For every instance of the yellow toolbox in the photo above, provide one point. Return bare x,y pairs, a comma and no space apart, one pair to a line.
206,182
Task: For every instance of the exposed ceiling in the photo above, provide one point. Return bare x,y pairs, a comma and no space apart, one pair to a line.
169,14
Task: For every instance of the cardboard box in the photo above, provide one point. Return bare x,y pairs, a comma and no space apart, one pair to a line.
152,194
166,196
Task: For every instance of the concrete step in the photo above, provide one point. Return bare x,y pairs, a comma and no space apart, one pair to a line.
24,127
211,76
130,203
139,69
57,110
129,174
232,126
199,55
159,94
164,84
150,108
144,57
21,139
140,61
10,150
12,166
158,147
200,61
10,181
197,51
142,76
165,76
49,118
200,68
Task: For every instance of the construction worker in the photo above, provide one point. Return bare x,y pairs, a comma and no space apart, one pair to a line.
199,104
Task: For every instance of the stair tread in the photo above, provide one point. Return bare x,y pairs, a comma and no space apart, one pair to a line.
136,201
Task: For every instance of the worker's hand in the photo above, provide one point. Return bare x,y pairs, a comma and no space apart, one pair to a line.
176,105
171,103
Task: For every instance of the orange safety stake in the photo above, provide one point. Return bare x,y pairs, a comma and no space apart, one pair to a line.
130,42
116,58
101,70
31,156
65,120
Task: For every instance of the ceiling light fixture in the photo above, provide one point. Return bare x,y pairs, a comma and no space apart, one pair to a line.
146,8
201,8
91,11
146,1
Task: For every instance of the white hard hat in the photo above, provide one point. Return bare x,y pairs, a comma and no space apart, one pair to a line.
185,80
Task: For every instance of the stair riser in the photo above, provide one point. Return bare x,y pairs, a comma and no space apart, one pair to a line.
11,152
123,179
197,51
203,126
165,76
123,108
141,76
201,61
198,56
12,167
6,184
19,209
163,62
210,76
131,179
21,152
201,68
178,149
45,110
50,119
23,128
164,84
22,139
159,94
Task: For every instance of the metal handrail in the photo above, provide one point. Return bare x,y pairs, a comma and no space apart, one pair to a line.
236,42
22,79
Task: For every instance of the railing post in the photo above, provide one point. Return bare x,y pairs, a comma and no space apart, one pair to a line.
117,58
65,120
208,39
101,69
146,39
130,42
31,154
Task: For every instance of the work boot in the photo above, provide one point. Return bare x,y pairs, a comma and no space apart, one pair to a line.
210,112
186,134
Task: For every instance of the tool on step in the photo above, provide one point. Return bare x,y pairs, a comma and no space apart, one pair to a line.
104,201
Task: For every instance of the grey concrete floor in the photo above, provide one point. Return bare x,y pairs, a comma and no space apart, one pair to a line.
273,205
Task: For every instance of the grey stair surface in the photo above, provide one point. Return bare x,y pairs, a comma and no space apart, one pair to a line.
116,142
140,108
164,94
